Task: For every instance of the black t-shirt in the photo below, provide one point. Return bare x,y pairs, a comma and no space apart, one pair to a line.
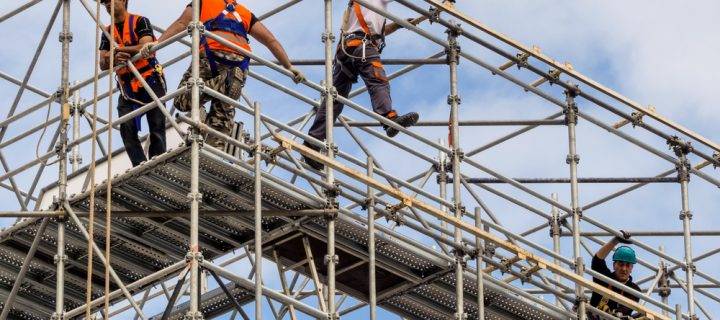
253,18
600,266
142,28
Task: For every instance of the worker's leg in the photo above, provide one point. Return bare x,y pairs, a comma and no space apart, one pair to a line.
156,119
129,133
344,75
221,117
183,102
373,74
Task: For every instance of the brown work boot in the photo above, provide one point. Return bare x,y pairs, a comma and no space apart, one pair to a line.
407,120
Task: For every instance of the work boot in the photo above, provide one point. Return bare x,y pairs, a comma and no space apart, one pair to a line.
312,162
406,120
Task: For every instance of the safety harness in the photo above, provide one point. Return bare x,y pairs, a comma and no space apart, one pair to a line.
233,24
360,38
129,85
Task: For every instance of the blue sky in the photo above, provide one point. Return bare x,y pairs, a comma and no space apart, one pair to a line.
656,52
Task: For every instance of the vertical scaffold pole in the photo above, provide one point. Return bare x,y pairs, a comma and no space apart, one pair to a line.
682,149
454,102
371,239
555,230
60,257
480,253
331,259
571,118
442,179
194,255
258,216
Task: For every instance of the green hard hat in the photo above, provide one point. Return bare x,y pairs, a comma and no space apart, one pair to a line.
625,254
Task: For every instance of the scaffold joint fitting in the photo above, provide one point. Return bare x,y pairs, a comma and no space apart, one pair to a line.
329,91
459,153
333,316
716,156
454,99
56,316
394,214
328,36
690,265
637,118
57,259
334,259
679,147
195,25
572,91
553,76
190,256
686,214
489,249
434,15
461,316
195,81
572,158
65,37
195,197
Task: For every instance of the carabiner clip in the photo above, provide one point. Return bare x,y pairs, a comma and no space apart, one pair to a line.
364,44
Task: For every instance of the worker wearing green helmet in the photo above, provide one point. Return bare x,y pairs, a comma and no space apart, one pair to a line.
624,260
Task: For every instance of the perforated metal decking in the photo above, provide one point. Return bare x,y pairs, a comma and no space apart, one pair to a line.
413,285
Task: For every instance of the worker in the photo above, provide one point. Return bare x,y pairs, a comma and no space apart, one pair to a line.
131,33
358,54
624,260
222,68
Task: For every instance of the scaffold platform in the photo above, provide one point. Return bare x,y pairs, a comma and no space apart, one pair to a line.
148,236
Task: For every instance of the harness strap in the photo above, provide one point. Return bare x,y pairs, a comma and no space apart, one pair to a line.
361,19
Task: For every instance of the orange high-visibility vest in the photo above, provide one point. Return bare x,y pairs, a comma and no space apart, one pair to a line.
146,67
226,17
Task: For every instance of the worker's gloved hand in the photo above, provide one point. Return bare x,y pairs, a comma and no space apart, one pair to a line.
298,76
122,57
145,52
624,238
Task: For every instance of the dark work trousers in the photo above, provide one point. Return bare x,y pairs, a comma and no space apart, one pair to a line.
155,120
345,73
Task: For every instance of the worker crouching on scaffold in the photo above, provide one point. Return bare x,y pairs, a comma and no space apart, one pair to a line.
223,68
131,33
624,259
358,54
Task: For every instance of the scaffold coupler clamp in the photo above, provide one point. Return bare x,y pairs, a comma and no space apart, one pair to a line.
334,259
328,91
716,157
679,147
461,316
571,108
555,226
195,81
553,75
664,283
195,25
460,252
56,316
522,60
637,118
197,196
489,249
198,256
328,36
577,211
578,301
505,265
579,265
394,214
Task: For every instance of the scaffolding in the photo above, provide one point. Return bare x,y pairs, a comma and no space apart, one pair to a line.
190,218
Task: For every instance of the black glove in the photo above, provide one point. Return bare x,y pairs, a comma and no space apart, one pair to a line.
624,238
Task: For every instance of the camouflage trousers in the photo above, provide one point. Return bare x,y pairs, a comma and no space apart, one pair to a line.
229,81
